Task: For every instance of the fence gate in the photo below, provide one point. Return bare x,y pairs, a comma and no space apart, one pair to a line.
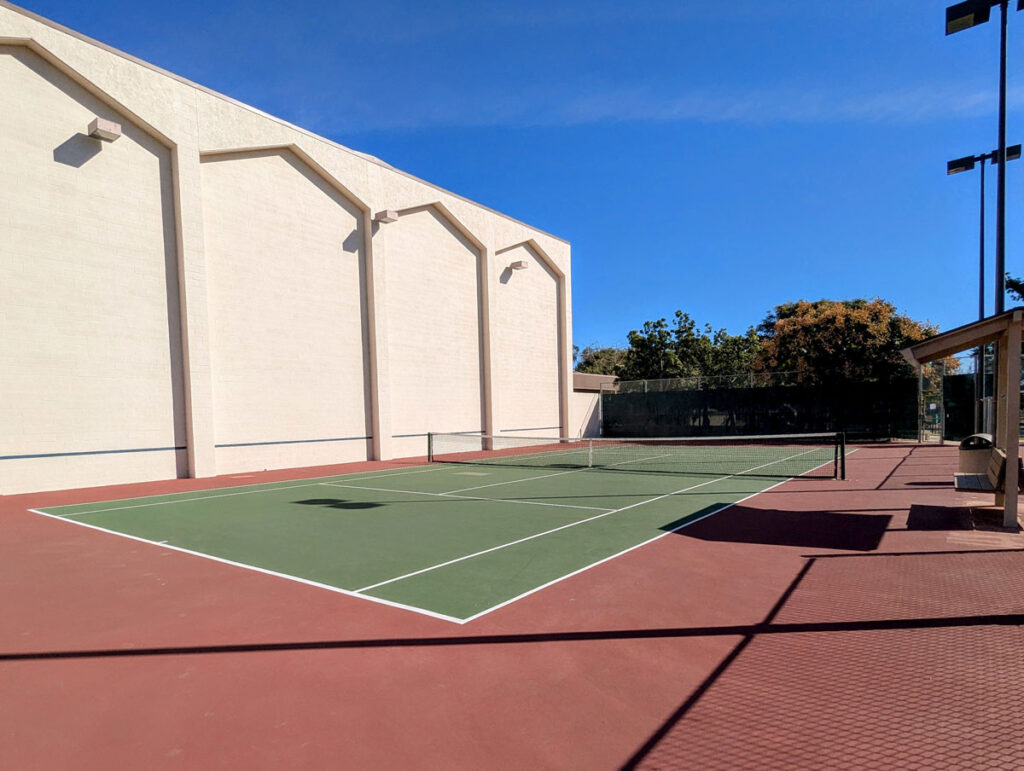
931,412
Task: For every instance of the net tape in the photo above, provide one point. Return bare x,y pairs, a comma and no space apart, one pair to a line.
776,455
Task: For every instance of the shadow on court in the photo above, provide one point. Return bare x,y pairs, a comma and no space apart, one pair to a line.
748,630
339,503
923,517
778,527
882,660
901,657
888,690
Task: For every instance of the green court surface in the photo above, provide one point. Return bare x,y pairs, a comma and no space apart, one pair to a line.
449,540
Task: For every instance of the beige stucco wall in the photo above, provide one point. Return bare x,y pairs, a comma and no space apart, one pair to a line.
190,273
526,342
583,414
287,326
433,322
89,326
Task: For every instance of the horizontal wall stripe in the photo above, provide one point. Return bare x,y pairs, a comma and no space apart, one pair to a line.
414,436
296,441
538,428
89,452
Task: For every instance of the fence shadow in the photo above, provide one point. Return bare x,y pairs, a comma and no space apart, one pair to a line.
780,527
886,693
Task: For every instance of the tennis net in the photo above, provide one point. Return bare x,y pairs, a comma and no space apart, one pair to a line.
782,456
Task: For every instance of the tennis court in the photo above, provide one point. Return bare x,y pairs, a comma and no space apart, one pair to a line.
490,521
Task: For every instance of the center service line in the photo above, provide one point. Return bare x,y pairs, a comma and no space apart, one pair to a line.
571,524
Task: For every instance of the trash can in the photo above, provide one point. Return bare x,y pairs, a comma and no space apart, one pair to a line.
974,453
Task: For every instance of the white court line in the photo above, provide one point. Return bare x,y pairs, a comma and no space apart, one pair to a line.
562,451
631,548
558,473
256,569
316,481
574,524
391,603
382,476
173,500
463,497
611,557
514,481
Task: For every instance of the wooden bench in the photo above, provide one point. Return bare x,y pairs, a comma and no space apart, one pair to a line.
991,481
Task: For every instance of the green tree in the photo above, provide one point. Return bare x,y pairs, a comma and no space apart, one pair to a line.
651,353
735,354
685,349
706,352
693,347
600,360
838,339
1015,287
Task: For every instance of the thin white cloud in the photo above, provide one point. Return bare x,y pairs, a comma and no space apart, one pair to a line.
763,106
787,105
447,18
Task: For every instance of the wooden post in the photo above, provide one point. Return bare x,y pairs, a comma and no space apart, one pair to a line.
920,403
1011,419
1000,395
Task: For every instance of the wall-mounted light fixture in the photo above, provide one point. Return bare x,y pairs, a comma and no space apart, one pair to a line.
386,216
519,265
104,129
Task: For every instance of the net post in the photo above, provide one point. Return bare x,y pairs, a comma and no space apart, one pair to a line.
842,455
430,447
835,455
590,454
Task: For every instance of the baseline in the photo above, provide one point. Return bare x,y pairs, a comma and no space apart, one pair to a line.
265,571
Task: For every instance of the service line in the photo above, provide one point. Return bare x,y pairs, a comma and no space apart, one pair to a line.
570,524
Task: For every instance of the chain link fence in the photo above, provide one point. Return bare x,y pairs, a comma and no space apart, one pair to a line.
938,404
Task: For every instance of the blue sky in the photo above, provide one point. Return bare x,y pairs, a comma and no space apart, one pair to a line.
714,157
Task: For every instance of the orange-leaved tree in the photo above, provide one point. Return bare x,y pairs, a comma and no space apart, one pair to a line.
828,340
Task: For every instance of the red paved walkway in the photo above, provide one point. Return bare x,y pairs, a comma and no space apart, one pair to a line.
775,634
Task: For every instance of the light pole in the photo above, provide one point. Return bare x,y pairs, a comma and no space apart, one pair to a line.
955,167
964,16
966,164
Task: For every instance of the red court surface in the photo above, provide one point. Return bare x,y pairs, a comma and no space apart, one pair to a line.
857,624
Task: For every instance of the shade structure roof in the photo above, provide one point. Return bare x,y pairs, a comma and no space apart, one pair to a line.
987,330
1004,328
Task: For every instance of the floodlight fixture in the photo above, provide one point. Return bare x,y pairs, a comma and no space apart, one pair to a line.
972,13
386,216
966,164
960,164
968,14
959,17
519,265
105,130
